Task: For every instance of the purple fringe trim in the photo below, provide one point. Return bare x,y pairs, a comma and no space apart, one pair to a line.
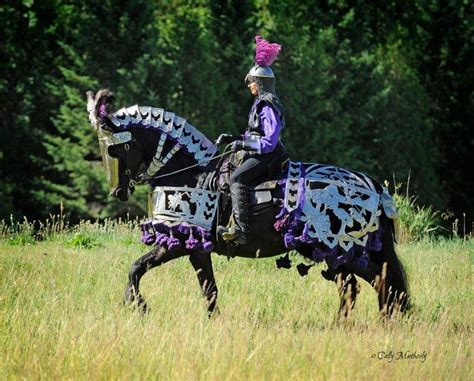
173,237
295,231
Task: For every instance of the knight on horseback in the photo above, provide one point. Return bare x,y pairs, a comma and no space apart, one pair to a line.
261,140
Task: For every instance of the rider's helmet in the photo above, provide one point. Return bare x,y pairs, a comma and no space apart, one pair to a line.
261,73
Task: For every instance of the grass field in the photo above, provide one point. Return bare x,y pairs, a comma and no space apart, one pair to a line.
61,317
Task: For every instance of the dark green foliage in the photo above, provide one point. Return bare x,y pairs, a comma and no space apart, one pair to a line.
385,88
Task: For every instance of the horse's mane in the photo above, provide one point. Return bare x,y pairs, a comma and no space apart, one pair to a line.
175,127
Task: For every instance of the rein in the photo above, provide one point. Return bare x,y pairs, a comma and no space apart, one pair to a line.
191,166
143,177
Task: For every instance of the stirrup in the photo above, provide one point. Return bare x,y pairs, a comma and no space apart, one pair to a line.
232,234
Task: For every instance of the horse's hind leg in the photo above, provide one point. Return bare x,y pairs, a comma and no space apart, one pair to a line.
346,282
155,257
203,266
348,289
391,282
391,292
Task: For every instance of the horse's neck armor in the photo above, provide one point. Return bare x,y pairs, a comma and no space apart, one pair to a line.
174,127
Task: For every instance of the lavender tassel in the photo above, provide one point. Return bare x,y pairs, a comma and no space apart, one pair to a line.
192,243
173,243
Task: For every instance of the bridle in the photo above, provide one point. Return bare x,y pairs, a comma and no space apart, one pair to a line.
159,161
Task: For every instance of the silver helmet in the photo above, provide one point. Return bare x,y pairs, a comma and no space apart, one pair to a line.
261,73
264,78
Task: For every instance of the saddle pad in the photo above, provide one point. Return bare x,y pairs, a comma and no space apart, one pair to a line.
262,193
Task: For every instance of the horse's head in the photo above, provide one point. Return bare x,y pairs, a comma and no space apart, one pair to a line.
137,142
122,154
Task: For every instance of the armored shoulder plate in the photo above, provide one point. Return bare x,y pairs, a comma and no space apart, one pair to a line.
272,100
265,98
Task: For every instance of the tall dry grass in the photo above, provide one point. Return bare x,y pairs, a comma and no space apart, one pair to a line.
61,317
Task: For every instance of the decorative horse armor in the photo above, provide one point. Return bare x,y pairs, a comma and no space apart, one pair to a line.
323,212
333,209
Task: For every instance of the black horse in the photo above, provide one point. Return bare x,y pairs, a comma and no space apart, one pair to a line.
146,148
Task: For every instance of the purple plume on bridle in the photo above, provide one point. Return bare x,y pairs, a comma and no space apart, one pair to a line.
265,52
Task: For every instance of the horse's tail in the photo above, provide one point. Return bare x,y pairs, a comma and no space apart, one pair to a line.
398,282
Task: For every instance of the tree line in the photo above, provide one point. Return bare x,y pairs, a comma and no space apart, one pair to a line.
380,87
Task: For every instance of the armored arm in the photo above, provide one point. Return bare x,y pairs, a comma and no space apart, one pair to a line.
225,139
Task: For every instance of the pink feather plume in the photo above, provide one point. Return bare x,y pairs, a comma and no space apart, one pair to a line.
266,52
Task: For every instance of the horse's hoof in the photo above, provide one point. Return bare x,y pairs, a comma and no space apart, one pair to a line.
212,314
138,305
142,308
137,302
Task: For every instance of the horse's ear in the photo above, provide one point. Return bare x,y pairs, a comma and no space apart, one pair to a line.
104,97
90,100
97,106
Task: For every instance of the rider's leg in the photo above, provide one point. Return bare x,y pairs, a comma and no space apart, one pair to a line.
239,194
251,169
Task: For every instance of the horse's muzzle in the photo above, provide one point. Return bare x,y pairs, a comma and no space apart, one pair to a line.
121,194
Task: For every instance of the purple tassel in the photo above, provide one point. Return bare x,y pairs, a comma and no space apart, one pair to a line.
173,243
319,255
161,239
173,237
147,238
192,243
207,246
290,240
184,229
206,240
147,234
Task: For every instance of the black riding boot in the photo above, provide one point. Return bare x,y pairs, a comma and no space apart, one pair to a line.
239,194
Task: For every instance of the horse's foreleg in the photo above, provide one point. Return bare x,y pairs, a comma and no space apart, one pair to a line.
203,266
155,257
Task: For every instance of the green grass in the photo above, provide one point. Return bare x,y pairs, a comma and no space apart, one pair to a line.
61,317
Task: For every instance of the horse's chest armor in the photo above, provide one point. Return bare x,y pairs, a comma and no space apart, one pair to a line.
192,205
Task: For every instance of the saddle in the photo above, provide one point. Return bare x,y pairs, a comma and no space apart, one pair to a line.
263,190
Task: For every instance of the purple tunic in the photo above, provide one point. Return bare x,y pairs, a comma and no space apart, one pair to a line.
270,127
